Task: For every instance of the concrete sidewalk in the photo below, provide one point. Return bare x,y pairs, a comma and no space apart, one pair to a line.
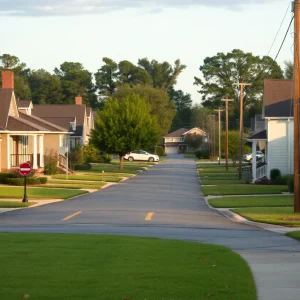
276,268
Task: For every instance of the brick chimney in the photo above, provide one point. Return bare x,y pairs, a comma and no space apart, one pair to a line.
8,80
78,100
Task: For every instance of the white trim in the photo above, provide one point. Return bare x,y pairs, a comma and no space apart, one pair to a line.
41,146
8,152
279,118
254,161
35,166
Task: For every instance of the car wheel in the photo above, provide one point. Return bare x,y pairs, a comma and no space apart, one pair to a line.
151,159
130,158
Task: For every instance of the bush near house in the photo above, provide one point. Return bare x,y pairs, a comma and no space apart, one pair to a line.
29,181
50,161
202,154
274,173
83,167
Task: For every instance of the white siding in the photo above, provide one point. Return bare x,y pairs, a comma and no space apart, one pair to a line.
280,146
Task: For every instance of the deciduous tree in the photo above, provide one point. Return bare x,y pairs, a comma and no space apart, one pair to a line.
124,125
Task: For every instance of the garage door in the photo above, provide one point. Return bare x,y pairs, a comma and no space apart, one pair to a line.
171,150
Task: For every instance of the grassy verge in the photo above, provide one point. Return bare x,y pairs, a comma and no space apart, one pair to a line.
14,204
39,193
243,189
273,215
217,170
263,201
87,178
52,266
218,176
222,182
294,234
190,155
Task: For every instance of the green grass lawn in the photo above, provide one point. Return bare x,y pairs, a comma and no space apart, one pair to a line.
218,176
39,193
15,204
99,173
294,235
87,178
190,155
217,170
243,189
222,182
262,201
53,266
74,184
273,215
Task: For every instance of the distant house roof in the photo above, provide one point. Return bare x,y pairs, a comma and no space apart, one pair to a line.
23,103
5,98
177,133
278,98
62,115
262,135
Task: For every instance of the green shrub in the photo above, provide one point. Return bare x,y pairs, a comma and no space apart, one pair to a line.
83,167
159,150
291,184
202,154
15,181
89,154
103,159
43,180
51,161
4,176
274,173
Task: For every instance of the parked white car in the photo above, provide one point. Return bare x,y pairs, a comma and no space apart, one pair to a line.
248,156
141,155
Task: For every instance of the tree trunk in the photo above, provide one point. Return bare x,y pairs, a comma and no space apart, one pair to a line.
121,161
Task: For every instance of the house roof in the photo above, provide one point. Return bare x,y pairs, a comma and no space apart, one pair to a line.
21,121
62,115
261,135
23,103
5,98
177,133
278,98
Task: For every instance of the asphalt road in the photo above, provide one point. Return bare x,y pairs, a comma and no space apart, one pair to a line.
166,202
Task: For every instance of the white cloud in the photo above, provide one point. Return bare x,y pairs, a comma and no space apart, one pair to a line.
76,7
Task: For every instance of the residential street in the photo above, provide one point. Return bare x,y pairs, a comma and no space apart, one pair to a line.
166,202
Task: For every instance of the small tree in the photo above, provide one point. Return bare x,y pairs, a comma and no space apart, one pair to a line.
50,163
75,157
89,153
125,125
193,140
234,145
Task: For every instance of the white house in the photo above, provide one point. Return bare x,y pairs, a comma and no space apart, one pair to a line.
278,134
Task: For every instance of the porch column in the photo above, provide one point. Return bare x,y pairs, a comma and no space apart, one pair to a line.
254,143
8,152
41,146
35,166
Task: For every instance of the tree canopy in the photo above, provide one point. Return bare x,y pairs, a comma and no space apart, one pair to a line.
125,125
222,71
159,103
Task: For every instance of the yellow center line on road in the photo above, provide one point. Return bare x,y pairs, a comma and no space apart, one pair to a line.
71,216
149,216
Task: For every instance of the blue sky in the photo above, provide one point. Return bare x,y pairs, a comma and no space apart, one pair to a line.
45,33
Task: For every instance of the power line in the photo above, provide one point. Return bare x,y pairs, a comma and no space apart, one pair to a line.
279,29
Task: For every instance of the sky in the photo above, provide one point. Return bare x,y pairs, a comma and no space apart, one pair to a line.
46,33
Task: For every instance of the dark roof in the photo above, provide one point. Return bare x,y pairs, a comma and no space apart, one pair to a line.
5,99
278,98
262,135
23,103
62,115
177,133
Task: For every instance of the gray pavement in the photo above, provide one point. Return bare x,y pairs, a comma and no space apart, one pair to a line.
171,194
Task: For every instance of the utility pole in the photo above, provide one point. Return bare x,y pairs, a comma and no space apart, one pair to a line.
226,100
241,85
219,116
296,105
213,137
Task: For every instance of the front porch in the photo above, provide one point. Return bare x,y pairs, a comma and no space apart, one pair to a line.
25,148
259,169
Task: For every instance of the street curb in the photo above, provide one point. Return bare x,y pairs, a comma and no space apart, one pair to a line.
239,219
